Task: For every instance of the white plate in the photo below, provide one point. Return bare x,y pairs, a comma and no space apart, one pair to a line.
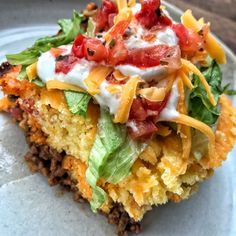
28,206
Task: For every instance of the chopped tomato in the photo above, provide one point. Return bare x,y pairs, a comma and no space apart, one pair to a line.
95,50
56,52
189,41
78,48
64,64
151,15
141,130
117,53
104,15
150,5
147,57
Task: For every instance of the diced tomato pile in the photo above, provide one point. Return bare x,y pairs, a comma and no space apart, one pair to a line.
190,42
143,114
105,15
151,16
116,52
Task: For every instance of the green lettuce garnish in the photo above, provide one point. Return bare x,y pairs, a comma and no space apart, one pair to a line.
77,102
22,75
68,31
200,107
111,157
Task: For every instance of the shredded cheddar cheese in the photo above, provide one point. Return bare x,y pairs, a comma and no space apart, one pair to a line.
126,100
54,98
119,76
153,94
114,89
185,132
163,130
188,65
205,129
31,71
131,3
96,77
212,46
121,4
56,84
186,80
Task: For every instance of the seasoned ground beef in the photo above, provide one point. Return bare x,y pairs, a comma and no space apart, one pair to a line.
47,161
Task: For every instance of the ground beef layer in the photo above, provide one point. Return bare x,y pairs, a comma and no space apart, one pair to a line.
48,162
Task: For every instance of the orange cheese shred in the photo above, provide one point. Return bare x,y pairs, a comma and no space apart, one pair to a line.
119,76
185,131
121,4
153,94
112,89
131,3
189,66
54,98
126,100
186,80
212,46
55,84
96,77
202,127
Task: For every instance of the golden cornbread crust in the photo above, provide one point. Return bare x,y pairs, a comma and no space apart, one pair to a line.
158,175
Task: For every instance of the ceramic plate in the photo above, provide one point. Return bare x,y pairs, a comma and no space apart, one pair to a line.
28,206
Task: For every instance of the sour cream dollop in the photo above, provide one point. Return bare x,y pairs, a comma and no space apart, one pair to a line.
46,71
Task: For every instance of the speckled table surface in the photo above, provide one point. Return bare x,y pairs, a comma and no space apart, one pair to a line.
221,14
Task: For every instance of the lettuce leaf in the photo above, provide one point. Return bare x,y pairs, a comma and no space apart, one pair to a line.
199,105
69,30
22,75
77,102
111,157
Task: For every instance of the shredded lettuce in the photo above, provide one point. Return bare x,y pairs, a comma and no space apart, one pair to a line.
199,105
111,157
22,75
77,102
69,30
38,82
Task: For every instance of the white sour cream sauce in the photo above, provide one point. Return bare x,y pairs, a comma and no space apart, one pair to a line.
170,112
46,71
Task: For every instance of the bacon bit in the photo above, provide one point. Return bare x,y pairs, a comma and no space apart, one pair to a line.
65,64
141,130
137,111
56,52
